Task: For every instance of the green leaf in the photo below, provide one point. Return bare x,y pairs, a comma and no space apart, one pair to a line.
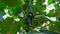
57,10
14,28
13,3
51,13
50,2
39,7
39,21
2,6
5,25
55,26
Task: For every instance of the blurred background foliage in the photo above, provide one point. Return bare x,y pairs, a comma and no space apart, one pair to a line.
13,14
